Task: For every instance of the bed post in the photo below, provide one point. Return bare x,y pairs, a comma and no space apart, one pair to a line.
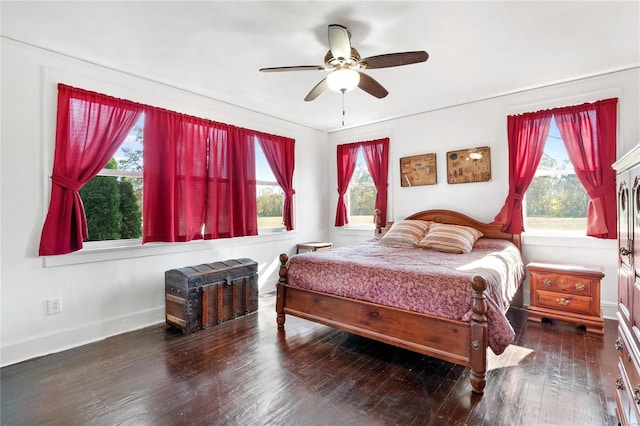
377,220
479,336
280,289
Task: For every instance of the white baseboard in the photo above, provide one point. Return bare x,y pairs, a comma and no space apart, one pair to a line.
609,309
60,340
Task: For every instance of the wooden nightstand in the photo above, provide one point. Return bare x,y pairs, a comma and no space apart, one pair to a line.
313,246
566,292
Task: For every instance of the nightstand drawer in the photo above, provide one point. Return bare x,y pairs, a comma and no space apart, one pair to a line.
565,302
566,292
562,283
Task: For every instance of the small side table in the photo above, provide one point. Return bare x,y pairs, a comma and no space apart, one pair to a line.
566,292
313,246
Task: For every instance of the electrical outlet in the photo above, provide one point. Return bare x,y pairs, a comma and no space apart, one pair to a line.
54,306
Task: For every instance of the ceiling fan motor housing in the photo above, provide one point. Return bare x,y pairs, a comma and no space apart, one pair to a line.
351,62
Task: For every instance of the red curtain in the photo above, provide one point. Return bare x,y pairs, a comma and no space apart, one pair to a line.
280,154
231,196
589,134
376,154
175,173
90,129
217,221
347,155
199,179
526,135
243,212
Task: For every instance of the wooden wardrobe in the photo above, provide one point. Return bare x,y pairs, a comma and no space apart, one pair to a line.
628,342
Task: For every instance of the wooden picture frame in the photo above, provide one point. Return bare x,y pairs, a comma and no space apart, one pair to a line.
469,165
418,170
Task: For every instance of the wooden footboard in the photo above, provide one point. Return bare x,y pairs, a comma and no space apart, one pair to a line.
463,343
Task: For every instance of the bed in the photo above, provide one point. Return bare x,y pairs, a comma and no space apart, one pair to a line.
405,296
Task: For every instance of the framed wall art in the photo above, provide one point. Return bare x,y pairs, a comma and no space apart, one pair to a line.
469,165
418,170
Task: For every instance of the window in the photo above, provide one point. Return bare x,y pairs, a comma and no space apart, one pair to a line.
371,159
362,194
199,175
270,197
113,199
589,135
555,199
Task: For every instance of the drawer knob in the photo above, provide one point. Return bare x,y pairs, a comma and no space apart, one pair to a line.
579,286
546,282
618,344
562,301
619,383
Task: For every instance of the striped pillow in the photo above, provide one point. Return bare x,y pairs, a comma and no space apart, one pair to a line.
405,233
450,238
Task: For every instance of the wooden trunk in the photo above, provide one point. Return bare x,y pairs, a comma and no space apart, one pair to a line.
204,295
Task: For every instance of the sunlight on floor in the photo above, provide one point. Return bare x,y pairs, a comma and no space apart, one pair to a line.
511,357
265,271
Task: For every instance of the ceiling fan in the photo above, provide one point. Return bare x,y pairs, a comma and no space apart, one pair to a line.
344,65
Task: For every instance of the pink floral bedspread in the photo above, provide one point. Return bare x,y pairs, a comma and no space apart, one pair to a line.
418,279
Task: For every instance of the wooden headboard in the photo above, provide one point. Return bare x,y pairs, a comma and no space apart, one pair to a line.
489,230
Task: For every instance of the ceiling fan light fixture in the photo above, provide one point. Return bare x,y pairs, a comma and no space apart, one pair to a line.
343,80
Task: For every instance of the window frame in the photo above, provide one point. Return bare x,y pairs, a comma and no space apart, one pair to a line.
352,186
120,173
272,229
274,183
551,172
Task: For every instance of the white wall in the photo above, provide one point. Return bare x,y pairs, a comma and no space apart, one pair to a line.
109,292
483,123
105,293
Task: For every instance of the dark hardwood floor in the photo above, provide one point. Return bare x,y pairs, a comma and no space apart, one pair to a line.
243,372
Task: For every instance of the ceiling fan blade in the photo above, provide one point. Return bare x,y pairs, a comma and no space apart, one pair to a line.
394,59
317,91
294,68
339,43
371,86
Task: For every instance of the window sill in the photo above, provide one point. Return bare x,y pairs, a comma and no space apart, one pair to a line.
360,227
101,251
565,239
271,231
357,229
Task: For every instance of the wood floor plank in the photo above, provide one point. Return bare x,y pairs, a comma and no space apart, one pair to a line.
245,372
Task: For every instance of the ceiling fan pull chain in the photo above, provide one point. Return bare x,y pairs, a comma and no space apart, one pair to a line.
343,91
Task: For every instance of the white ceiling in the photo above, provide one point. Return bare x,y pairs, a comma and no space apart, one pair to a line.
477,49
